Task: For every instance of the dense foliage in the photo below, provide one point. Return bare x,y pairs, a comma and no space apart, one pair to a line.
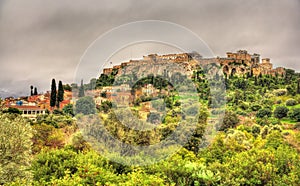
15,148
258,141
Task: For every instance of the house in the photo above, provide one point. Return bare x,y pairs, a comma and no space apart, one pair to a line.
30,112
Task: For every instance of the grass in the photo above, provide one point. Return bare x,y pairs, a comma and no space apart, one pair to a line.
288,121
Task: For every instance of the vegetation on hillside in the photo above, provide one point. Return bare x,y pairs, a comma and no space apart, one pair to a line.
258,142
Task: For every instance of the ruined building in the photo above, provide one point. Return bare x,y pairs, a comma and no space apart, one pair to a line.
238,63
242,62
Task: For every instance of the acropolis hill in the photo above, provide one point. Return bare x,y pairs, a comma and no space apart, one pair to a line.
238,63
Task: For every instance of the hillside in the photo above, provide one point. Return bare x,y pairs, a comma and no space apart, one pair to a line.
168,120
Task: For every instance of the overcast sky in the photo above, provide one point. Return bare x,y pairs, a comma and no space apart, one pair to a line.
44,39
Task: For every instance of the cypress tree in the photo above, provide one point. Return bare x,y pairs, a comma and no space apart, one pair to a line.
81,90
53,93
35,91
60,93
31,92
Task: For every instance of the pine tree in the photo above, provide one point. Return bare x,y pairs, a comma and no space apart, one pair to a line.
35,91
60,93
53,93
81,90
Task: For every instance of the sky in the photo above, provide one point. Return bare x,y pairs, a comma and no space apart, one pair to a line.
45,39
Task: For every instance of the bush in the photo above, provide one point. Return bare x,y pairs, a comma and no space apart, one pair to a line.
291,102
280,92
295,114
241,113
255,107
46,136
106,106
53,164
68,109
279,101
265,112
57,112
255,129
267,121
281,112
267,102
11,110
244,105
230,120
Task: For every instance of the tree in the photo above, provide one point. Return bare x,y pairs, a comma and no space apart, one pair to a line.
291,102
31,90
281,112
81,90
93,83
291,90
60,94
53,93
85,105
15,148
105,106
68,109
67,87
295,114
264,112
35,91
13,111
154,118
230,120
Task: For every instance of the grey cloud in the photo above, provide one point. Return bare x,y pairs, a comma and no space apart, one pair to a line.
45,39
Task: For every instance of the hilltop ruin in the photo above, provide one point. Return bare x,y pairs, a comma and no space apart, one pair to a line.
238,63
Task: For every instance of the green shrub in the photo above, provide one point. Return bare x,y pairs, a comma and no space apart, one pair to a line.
11,110
230,120
281,112
291,102
294,114
264,112
255,107
255,129
280,92
15,148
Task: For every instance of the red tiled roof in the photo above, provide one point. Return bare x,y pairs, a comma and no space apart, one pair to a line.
26,107
65,101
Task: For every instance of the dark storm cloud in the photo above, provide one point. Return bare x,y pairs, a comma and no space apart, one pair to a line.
40,40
